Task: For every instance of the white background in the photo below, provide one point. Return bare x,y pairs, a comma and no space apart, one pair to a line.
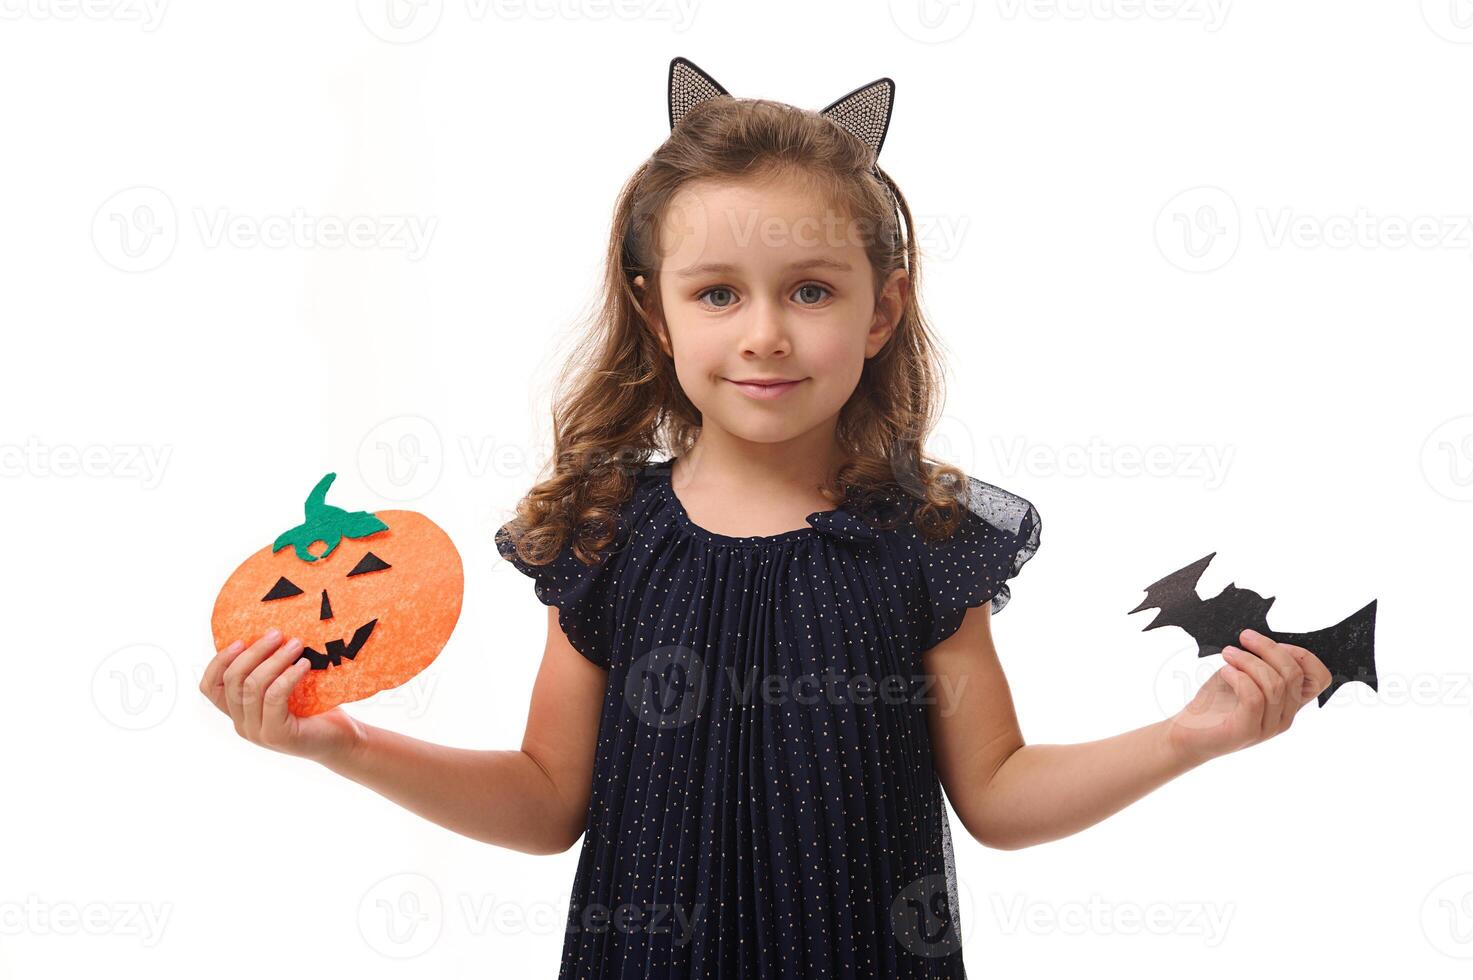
1231,238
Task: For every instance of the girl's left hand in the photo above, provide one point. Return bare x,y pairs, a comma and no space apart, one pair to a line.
1252,698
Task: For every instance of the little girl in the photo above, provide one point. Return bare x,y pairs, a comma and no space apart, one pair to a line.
767,654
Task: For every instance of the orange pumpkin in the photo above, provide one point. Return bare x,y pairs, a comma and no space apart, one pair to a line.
373,606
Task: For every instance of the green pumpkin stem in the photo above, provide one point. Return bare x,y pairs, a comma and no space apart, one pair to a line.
327,523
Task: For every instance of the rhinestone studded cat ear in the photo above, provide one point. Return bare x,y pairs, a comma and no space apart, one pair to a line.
864,113
689,86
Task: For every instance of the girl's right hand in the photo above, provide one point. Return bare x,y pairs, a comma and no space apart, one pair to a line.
252,683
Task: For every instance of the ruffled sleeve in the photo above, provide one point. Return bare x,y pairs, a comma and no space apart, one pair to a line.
580,592
996,537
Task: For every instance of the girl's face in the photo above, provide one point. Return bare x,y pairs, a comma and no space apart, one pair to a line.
764,281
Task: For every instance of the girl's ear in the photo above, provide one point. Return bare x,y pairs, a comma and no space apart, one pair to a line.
655,323
657,327
888,310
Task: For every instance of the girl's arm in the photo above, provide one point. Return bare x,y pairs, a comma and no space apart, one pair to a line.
534,799
1011,795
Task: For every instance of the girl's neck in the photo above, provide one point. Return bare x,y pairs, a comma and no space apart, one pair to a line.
772,488
796,466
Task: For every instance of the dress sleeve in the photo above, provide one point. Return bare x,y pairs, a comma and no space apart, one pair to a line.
996,537
579,591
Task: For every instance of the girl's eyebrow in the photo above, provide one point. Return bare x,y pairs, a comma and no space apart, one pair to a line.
721,268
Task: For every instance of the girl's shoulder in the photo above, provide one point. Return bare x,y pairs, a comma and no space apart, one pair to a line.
989,510
583,591
998,534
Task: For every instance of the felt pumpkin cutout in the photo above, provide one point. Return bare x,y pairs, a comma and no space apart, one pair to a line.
373,606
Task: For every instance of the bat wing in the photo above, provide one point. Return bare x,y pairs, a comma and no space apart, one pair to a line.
1174,593
1347,648
1213,623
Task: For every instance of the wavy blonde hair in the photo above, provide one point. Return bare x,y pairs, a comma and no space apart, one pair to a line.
617,400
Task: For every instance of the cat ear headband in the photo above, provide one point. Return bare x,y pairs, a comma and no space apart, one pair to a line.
863,113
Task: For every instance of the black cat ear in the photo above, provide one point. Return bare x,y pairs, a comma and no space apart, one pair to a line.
689,86
865,112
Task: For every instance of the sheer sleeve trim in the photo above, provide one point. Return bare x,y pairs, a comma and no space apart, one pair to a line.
586,596
574,588
997,536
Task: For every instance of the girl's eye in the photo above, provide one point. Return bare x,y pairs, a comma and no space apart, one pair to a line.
810,301
717,289
812,285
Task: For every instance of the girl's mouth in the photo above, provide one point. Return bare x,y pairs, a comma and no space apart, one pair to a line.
766,391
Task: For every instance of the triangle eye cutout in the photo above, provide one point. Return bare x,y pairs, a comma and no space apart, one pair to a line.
369,563
283,589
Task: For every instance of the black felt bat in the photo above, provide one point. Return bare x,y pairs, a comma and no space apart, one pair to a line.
1347,648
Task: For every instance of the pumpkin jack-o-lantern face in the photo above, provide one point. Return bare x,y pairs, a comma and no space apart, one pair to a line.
373,597
336,650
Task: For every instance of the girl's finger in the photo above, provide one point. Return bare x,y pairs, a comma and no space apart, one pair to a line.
275,710
1270,684
1250,698
1278,656
1317,676
211,685
254,689
241,667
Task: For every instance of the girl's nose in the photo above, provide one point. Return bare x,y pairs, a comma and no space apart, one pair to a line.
768,334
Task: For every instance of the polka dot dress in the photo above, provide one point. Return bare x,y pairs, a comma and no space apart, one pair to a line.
764,800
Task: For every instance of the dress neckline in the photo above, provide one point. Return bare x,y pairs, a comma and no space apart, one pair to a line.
817,521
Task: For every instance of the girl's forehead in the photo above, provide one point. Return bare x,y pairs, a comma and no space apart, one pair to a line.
775,248
786,193
756,228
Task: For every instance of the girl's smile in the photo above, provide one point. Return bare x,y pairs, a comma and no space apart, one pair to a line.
766,389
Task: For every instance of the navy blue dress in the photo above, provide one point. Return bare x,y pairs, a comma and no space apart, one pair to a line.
764,802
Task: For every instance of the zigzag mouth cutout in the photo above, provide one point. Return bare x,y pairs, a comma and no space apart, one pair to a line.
337,650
